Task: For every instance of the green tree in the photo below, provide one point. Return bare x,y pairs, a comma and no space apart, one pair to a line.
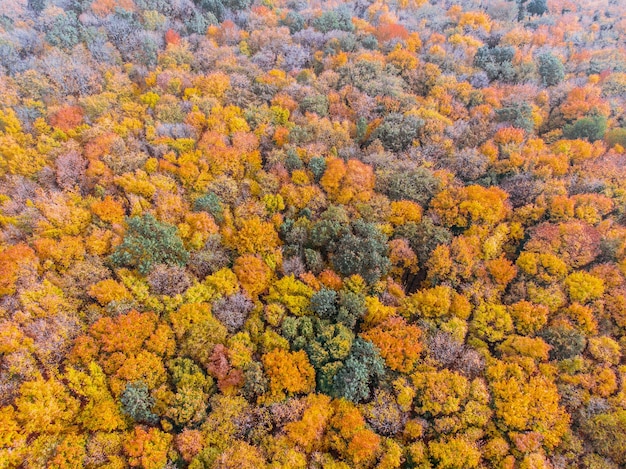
565,343
591,128
148,242
537,7
497,62
360,373
607,433
397,131
363,251
551,69
137,403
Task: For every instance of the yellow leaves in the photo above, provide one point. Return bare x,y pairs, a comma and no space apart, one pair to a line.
63,214
224,282
215,84
376,312
605,350
227,120
197,228
291,293
491,322
475,20
108,290
527,403
439,392
100,412
241,455
547,268
583,287
137,183
274,203
455,453
528,317
405,211
516,345
430,303
45,406
288,373
254,236
45,300
188,315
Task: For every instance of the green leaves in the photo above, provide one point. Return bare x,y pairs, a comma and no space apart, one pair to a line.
148,242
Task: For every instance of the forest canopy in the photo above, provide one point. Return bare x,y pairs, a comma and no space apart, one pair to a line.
312,234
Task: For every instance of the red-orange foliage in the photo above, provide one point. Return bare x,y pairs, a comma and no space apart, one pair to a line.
389,31
67,118
172,37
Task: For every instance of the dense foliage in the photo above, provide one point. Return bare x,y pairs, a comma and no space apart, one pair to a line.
288,234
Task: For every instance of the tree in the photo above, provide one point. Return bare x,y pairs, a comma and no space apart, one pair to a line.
340,18
590,128
147,448
496,62
565,342
288,373
363,252
551,69
359,373
45,406
137,403
537,7
606,432
233,310
397,132
148,242
399,343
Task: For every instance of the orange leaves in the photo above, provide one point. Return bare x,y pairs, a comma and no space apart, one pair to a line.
389,31
471,205
109,210
126,333
344,182
349,436
14,260
253,274
309,430
582,100
399,343
189,443
147,448
108,290
172,37
67,118
289,373
104,7
502,271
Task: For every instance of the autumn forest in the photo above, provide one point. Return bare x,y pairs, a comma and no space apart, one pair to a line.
327,234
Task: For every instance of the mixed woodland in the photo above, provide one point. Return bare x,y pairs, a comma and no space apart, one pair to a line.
263,234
